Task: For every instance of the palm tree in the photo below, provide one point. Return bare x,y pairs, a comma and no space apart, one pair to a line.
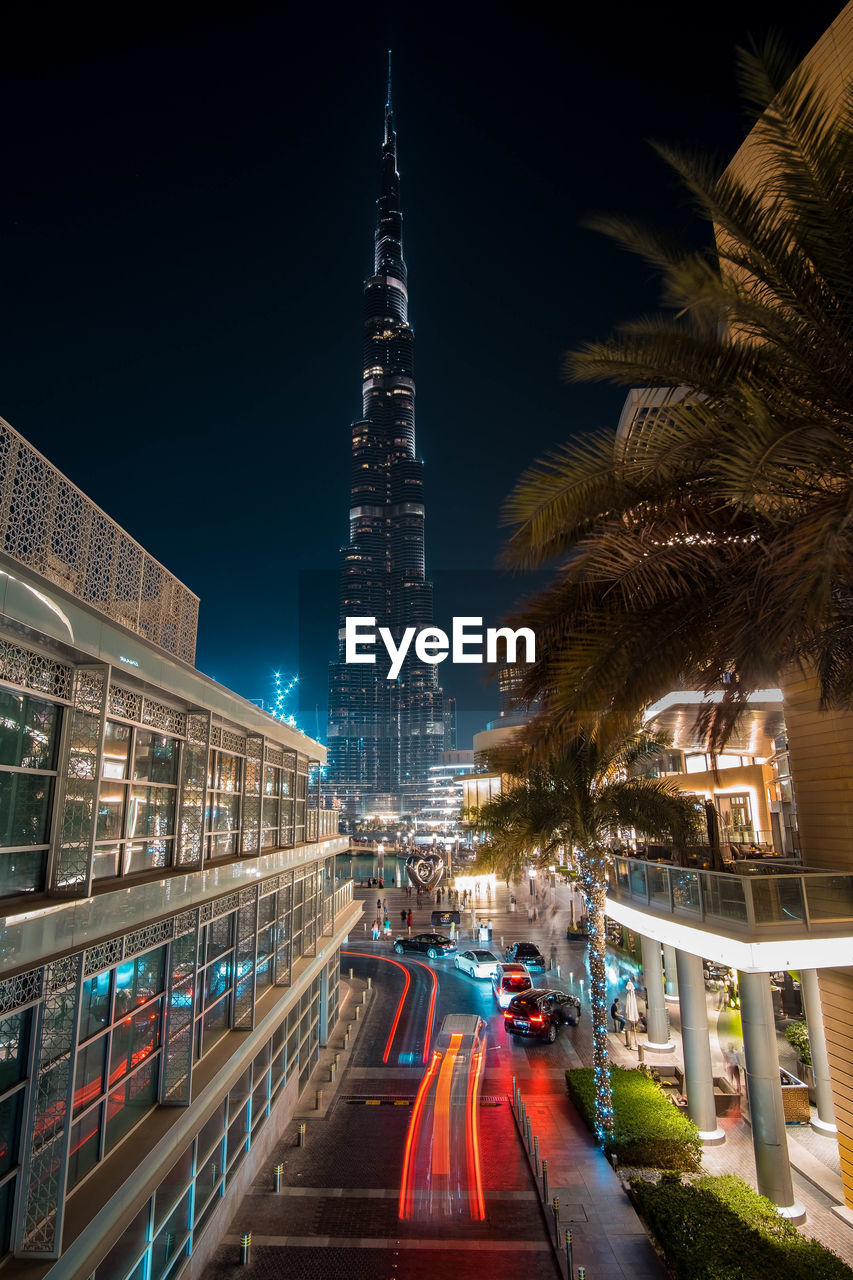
580,795
714,542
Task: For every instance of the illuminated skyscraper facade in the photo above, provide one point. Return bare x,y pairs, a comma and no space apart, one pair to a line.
385,734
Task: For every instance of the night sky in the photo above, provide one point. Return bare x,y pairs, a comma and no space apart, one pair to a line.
187,218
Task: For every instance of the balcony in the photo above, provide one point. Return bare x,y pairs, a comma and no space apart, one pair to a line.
757,922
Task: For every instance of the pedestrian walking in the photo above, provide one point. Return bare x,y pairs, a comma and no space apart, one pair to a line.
403,918
409,918
375,933
387,929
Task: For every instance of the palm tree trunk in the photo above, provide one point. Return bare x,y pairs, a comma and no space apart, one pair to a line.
594,891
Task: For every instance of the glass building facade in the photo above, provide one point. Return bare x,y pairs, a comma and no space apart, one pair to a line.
385,734
171,916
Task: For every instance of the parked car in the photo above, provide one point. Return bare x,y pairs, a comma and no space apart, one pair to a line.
434,944
541,1014
509,981
477,964
528,954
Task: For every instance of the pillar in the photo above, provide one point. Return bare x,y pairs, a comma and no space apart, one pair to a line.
767,1116
671,987
323,1028
698,1075
825,1122
657,1018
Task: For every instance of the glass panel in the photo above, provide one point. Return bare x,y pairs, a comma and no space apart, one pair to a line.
622,874
7,1204
637,872
83,1154
14,1048
777,899
125,1252
685,890
134,1038
106,861
217,978
116,749
215,1020
89,1075
222,845
138,980
170,1242
270,812
211,1133
28,731
830,897
149,855
22,872
658,881
11,1112
128,1104
95,1006
225,812
155,757
227,772
24,808
724,897
111,798
219,934
151,811
172,1187
272,784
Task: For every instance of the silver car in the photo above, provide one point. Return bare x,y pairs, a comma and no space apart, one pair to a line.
509,981
477,964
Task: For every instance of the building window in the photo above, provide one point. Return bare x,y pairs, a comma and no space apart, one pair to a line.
135,822
14,1055
29,733
225,783
118,1057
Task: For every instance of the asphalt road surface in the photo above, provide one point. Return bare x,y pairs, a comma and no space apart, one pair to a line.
337,1215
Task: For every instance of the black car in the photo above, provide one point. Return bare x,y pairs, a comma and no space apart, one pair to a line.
541,1014
434,944
528,954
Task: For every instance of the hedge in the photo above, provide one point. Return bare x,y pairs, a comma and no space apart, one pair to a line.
718,1228
649,1132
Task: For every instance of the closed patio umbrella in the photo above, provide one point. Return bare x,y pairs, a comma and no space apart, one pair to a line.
632,1011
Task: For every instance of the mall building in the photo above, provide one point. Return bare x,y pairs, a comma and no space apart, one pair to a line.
172,915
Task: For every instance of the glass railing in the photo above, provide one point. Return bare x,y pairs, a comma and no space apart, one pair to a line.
799,902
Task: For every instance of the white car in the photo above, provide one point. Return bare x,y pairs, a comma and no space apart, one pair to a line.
509,981
477,964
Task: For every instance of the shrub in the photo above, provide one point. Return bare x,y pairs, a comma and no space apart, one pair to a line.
649,1132
720,1229
797,1034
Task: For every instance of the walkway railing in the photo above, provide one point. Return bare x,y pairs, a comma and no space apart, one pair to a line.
810,902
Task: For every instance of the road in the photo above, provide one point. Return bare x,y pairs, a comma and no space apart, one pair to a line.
339,1212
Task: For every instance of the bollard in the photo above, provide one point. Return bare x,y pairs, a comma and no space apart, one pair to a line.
357,1012
536,1155
570,1260
300,1138
556,1207
337,1059
529,1138
278,1170
369,983
641,1051
350,975
558,973
332,1072
318,1099
245,1248
346,1039
545,1181
502,943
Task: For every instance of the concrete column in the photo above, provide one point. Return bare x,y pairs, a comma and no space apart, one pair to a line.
767,1116
657,1018
671,987
698,1075
825,1122
323,1029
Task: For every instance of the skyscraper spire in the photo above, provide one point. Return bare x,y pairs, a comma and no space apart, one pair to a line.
383,734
